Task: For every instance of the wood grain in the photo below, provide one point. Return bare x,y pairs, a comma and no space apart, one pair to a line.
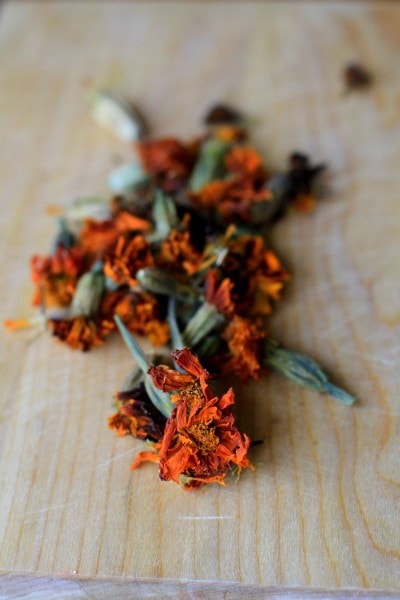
321,512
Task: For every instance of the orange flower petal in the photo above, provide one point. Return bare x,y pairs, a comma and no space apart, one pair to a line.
142,457
187,360
13,324
168,380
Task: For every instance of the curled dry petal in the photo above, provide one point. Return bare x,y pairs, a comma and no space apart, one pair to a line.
168,380
219,293
137,416
187,360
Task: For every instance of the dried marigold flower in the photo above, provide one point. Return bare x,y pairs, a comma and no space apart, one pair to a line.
56,276
98,237
126,258
200,445
267,284
137,416
194,381
81,333
232,198
243,338
245,162
139,312
178,254
168,160
201,442
212,194
264,276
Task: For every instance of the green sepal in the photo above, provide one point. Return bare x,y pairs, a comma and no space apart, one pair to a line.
301,369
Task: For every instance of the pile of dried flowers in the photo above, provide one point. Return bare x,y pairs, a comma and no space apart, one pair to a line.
177,255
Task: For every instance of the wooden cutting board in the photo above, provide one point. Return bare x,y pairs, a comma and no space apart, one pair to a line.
320,516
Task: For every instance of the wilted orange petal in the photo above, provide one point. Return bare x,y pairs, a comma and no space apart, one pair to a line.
142,457
167,379
125,221
187,360
13,324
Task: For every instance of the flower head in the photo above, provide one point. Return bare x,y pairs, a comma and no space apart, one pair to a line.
244,345
128,256
139,312
97,238
56,276
256,273
168,160
191,385
178,254
201,442
137,416
81,333
245,163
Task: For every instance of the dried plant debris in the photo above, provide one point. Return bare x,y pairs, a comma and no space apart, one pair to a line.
357,77
178,255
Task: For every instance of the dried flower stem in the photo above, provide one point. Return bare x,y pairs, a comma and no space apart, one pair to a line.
161,400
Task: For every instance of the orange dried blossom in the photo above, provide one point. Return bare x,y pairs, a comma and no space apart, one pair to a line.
178,254
232,198
98,237
81,333
245,162
168,160
256,272
56,276
267,284
201,442
243,338
128,256
139,311
137,416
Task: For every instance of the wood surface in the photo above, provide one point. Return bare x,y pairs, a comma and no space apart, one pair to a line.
320,516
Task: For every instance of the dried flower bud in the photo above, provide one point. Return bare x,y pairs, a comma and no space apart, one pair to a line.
117,114
357,77
204,320
127,178
210,164
222,114
165,216
302,370
89,291
157,281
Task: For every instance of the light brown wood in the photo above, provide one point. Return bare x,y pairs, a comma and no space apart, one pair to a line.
321,512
